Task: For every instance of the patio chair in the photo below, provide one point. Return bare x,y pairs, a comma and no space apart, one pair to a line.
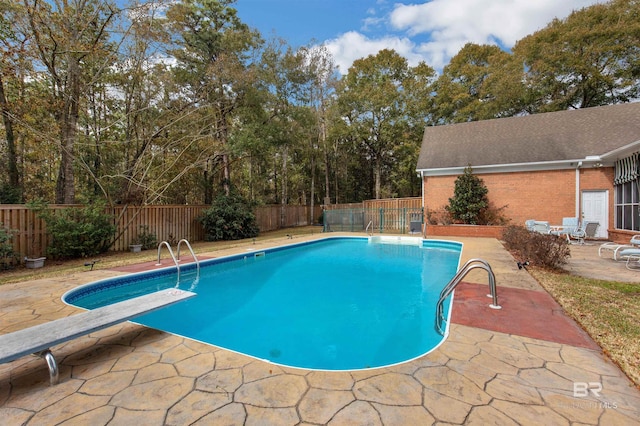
569,224
591,228
586,230
541,227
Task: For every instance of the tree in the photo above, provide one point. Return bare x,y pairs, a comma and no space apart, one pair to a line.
481,82
212,55
469,198
323,71
71,42
10,191
373,101
591,58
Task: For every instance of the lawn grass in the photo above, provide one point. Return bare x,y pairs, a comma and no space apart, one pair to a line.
114,259
608,310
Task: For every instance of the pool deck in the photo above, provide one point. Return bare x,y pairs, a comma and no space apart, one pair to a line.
527,363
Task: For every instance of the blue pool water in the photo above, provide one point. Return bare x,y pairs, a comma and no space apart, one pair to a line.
333,304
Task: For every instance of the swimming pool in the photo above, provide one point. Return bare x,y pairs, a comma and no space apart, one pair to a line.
339,303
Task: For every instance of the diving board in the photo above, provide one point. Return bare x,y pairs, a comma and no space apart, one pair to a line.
40,338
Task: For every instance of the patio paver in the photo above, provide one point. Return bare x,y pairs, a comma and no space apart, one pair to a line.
132,374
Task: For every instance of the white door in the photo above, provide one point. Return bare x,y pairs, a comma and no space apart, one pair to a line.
595,208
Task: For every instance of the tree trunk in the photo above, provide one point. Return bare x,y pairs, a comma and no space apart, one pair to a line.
68,121
283,176
377,174
223,134
313,187
226,174
208,185
323,138
12,158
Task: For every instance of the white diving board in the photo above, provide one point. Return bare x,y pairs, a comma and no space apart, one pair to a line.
40,338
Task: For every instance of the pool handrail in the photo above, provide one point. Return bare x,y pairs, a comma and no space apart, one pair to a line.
165,243
370,224
195,259
462,272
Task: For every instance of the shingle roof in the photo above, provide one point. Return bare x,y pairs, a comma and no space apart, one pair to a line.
545,137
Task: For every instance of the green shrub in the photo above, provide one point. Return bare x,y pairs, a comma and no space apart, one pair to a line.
8,258
469,198
9,194
77,232
146,239
229,218
547,251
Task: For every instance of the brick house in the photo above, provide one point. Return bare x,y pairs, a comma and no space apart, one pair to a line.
547,166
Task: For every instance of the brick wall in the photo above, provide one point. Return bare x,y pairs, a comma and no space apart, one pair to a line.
621,236
544,195
464,231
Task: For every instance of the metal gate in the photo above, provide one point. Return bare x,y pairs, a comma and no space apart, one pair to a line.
393,220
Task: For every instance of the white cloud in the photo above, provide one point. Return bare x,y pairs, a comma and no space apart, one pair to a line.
352,45
449,24
435,30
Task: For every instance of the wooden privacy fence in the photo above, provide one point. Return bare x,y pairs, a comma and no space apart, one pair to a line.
393,203
167,222
386,203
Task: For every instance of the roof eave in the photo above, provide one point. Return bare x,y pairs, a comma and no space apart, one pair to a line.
590,161
622,152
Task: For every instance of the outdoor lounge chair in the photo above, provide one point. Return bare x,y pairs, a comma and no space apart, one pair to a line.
616,249
633,258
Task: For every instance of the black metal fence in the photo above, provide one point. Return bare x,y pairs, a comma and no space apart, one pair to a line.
391,220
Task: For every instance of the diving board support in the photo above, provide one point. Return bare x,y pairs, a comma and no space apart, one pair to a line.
39,339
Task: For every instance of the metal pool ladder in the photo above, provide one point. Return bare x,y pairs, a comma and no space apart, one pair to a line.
370,224
177,260
462,272
195,259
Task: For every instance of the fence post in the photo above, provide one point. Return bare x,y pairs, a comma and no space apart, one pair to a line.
381,219
404,219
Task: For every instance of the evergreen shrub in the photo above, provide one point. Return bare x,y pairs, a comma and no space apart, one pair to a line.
8,258
469,198
77,232
229,218
146,238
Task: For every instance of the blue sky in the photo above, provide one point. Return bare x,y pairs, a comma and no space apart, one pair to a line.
432,31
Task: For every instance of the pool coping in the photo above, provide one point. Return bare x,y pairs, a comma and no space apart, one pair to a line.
72,296
131,373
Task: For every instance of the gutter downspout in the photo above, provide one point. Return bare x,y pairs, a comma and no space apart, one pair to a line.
424,222
578,191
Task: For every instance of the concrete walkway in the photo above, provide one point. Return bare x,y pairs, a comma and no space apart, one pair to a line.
130,374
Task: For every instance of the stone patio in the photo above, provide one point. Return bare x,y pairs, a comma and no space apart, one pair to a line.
130,374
